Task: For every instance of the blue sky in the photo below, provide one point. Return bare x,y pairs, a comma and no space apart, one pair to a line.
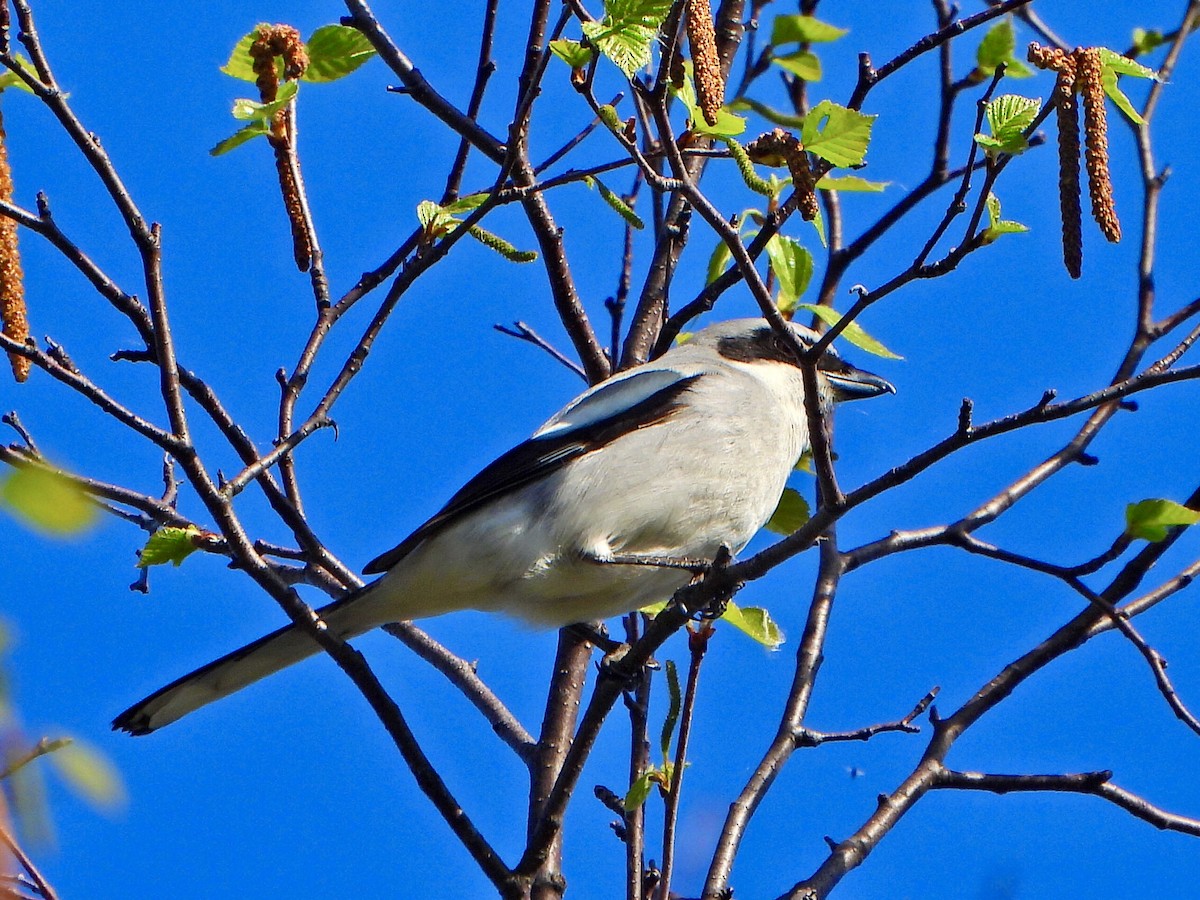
292,788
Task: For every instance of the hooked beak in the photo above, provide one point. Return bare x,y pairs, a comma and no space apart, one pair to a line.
849,383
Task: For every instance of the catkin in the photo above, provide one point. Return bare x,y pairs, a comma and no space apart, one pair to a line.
710,84
283,41
779,148
1095,142
12,282
1067,113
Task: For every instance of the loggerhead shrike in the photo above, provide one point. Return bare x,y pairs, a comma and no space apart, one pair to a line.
670,460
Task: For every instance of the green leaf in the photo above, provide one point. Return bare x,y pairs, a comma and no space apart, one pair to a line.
818,224
1145,41
852,184
235,140
1008,116
804,30
1114,64
676,701
756,622
608,115
837,134
774,116
854,332
241,64
430,214
253,111
996,225
718,262
47,500
997,47
1123,65
802,64
169,545
793,268
89,774
12,79
790,514
640,790
334,51
466,204
623,209
628,31
728,125
1150,519
573,53
1108,78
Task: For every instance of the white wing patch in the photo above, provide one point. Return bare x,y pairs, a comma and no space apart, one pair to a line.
610,399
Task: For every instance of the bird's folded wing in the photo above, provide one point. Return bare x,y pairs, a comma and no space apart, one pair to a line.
610,410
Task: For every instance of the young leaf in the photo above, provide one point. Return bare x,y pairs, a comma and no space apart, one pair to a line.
89,774
1150,519
430,215
639,790
802,64
996,225
169,545
628,31
253,111
854,332
852,183
334,51
466,204
1008,116
12,79
791,513
1114,64
47,500
728,125
997,47
837,134
573,53
793,268
804,30
239,137
1146,41
1123,65
755,622
718,262
241,64
774,116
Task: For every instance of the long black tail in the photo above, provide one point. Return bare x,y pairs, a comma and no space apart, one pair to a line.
243,667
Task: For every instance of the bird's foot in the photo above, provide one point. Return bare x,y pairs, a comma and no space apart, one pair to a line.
686,563
596,634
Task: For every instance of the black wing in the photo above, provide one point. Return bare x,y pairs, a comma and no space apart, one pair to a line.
536,458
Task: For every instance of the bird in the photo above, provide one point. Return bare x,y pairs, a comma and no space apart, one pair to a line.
671,460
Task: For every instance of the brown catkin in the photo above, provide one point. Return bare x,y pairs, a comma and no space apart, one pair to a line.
12,282
1067,113
1048,57
779,148
1095,141
710,84
284,41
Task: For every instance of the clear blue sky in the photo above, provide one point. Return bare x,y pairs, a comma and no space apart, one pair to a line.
291,789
